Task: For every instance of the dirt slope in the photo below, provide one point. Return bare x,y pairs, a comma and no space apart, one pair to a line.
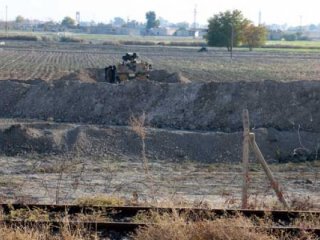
198,121
195,106
91,140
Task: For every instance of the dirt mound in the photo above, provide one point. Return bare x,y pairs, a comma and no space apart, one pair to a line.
167,77
194,106
98,75
84,140
19,139
86,75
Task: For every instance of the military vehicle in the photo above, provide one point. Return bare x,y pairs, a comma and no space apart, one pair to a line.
130,68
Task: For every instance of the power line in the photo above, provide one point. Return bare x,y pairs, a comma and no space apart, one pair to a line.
78,18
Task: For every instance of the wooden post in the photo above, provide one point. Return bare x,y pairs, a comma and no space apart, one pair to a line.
245,158
274,183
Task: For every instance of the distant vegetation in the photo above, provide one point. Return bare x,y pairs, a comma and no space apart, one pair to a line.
231,29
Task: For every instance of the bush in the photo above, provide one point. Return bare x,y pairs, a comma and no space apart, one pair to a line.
49,38
71,40
137,42
19,38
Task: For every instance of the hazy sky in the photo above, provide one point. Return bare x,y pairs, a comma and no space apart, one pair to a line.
273,11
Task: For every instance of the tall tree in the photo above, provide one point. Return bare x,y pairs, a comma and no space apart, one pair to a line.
118,21
20,19
152,21
226,29
255,36
68,22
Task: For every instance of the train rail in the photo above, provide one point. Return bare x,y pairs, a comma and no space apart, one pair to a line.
129,227
120,212
120,219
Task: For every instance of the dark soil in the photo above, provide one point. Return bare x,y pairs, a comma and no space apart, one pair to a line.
200,121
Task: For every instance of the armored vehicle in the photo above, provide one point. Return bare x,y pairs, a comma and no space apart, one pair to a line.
130,68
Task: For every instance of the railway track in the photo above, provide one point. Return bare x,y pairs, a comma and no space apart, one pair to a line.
120,220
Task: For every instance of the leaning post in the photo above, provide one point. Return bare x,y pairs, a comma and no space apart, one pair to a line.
274,183
245,158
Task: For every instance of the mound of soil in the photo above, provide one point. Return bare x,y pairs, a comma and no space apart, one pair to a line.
167,77
19,139
195,106
98,75
86,75
84,140
288,113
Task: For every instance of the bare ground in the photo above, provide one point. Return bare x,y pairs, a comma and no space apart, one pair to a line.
52,179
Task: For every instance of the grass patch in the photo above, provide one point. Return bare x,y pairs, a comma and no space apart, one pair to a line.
71,39
175,226
101,200
293,44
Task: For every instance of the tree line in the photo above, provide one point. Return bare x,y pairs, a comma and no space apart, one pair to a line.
225,29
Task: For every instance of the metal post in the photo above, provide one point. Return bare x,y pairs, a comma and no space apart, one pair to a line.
232,36
274,183
245,158
6,27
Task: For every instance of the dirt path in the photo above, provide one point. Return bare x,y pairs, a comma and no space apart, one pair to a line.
52,179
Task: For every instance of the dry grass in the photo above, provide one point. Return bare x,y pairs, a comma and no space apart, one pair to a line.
177,227
163,226
101,200
138,126
43,233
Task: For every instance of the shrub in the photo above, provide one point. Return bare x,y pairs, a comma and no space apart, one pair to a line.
19,37
71,39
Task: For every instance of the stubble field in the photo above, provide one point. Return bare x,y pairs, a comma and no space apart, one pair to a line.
49,61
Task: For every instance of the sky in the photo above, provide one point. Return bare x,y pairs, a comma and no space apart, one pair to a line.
288,12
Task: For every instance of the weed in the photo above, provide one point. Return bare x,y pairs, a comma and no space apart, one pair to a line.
101,201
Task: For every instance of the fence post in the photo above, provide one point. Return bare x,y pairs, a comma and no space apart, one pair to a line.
274,183
245,158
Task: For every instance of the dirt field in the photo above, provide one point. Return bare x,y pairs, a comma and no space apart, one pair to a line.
50,61
60,140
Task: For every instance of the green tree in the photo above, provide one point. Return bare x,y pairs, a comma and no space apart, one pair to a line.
118,21
152,21
255,36
226,29
20,19
68,22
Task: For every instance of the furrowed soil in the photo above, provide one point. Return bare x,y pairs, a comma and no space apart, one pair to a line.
70,135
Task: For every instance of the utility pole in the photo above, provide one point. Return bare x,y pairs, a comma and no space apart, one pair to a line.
6,27
195,13
78,18
260,18
232,36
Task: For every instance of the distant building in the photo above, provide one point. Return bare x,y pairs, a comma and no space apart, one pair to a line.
112,30
312,35
275,35
197,33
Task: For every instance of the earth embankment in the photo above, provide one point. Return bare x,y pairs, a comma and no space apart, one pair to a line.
191,121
